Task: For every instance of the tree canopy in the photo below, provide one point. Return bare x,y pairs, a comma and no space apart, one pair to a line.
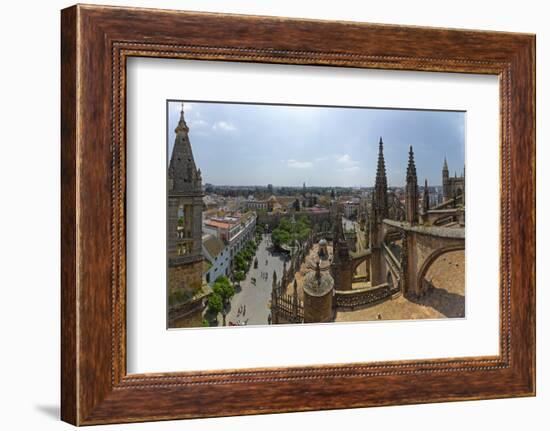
223,288
289,231
239,275
215,303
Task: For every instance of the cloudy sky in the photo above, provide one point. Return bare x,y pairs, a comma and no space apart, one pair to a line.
250,144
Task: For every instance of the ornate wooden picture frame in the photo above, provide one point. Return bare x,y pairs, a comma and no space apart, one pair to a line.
96,42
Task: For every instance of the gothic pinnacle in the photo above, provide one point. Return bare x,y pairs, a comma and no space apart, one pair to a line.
381,167
182,125
411,168
380,201
318,272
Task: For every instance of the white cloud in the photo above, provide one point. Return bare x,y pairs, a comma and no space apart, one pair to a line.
291,163
224,125
349,169
346,160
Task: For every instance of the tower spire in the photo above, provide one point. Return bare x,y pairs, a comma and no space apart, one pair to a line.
182,172
445,180
318,273
380,201
411,167
411,198
182,125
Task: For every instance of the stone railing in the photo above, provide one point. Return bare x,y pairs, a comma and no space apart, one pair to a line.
351,299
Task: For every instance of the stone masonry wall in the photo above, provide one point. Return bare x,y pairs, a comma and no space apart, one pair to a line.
187,277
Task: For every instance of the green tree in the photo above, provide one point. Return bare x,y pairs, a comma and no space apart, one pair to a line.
239,276
304,221
215,303
241,263
223,288
289,232
285,224
280,236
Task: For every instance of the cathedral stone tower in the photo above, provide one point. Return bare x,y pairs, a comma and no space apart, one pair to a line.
379,213
184,220
380,198
411,196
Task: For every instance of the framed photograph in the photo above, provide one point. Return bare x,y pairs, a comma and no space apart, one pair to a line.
266,215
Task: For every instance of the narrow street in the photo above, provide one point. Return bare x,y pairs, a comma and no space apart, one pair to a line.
256,297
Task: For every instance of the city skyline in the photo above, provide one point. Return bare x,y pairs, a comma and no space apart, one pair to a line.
287,145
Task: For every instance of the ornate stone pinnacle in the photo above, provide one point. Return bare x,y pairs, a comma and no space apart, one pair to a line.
318,273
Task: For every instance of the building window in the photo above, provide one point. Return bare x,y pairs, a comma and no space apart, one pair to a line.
184,248
181,218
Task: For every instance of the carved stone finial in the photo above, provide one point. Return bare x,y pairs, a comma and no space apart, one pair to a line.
318,272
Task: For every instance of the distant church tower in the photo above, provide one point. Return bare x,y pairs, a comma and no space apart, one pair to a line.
411,194
453,187
445,181
184,216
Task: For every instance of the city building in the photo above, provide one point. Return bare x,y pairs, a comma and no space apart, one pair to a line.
217,256
235,231
351,208
261,204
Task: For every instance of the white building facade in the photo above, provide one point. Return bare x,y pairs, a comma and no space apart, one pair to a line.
218,257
